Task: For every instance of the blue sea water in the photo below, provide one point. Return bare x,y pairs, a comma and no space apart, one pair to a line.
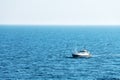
44,53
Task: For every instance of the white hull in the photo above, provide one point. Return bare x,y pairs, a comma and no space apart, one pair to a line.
81,55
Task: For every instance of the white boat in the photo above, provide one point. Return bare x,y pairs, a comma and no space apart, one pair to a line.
82,54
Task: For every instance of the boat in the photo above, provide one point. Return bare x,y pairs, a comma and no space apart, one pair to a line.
81,54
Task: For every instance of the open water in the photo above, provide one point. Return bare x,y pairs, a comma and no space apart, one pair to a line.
44,53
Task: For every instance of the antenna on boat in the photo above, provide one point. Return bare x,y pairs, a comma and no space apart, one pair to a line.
84,47
75,50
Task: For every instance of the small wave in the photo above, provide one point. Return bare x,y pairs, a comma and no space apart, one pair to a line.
112,55
108,79
96,55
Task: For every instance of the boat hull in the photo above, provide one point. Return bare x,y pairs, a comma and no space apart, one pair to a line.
81,56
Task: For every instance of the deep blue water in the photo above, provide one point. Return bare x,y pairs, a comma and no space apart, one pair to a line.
44,53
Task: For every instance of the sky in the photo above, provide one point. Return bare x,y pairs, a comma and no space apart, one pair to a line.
60,12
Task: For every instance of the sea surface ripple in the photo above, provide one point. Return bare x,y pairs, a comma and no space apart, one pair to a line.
44,53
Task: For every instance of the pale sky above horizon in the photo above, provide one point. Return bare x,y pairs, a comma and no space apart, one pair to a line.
60,12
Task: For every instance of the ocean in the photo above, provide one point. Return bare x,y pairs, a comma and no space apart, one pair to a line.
45,53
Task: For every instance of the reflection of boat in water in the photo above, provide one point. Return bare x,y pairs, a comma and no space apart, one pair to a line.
82,54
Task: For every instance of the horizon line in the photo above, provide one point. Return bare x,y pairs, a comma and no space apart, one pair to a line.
54,25
60,26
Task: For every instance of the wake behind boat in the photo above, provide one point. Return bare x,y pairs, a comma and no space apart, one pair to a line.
81,54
